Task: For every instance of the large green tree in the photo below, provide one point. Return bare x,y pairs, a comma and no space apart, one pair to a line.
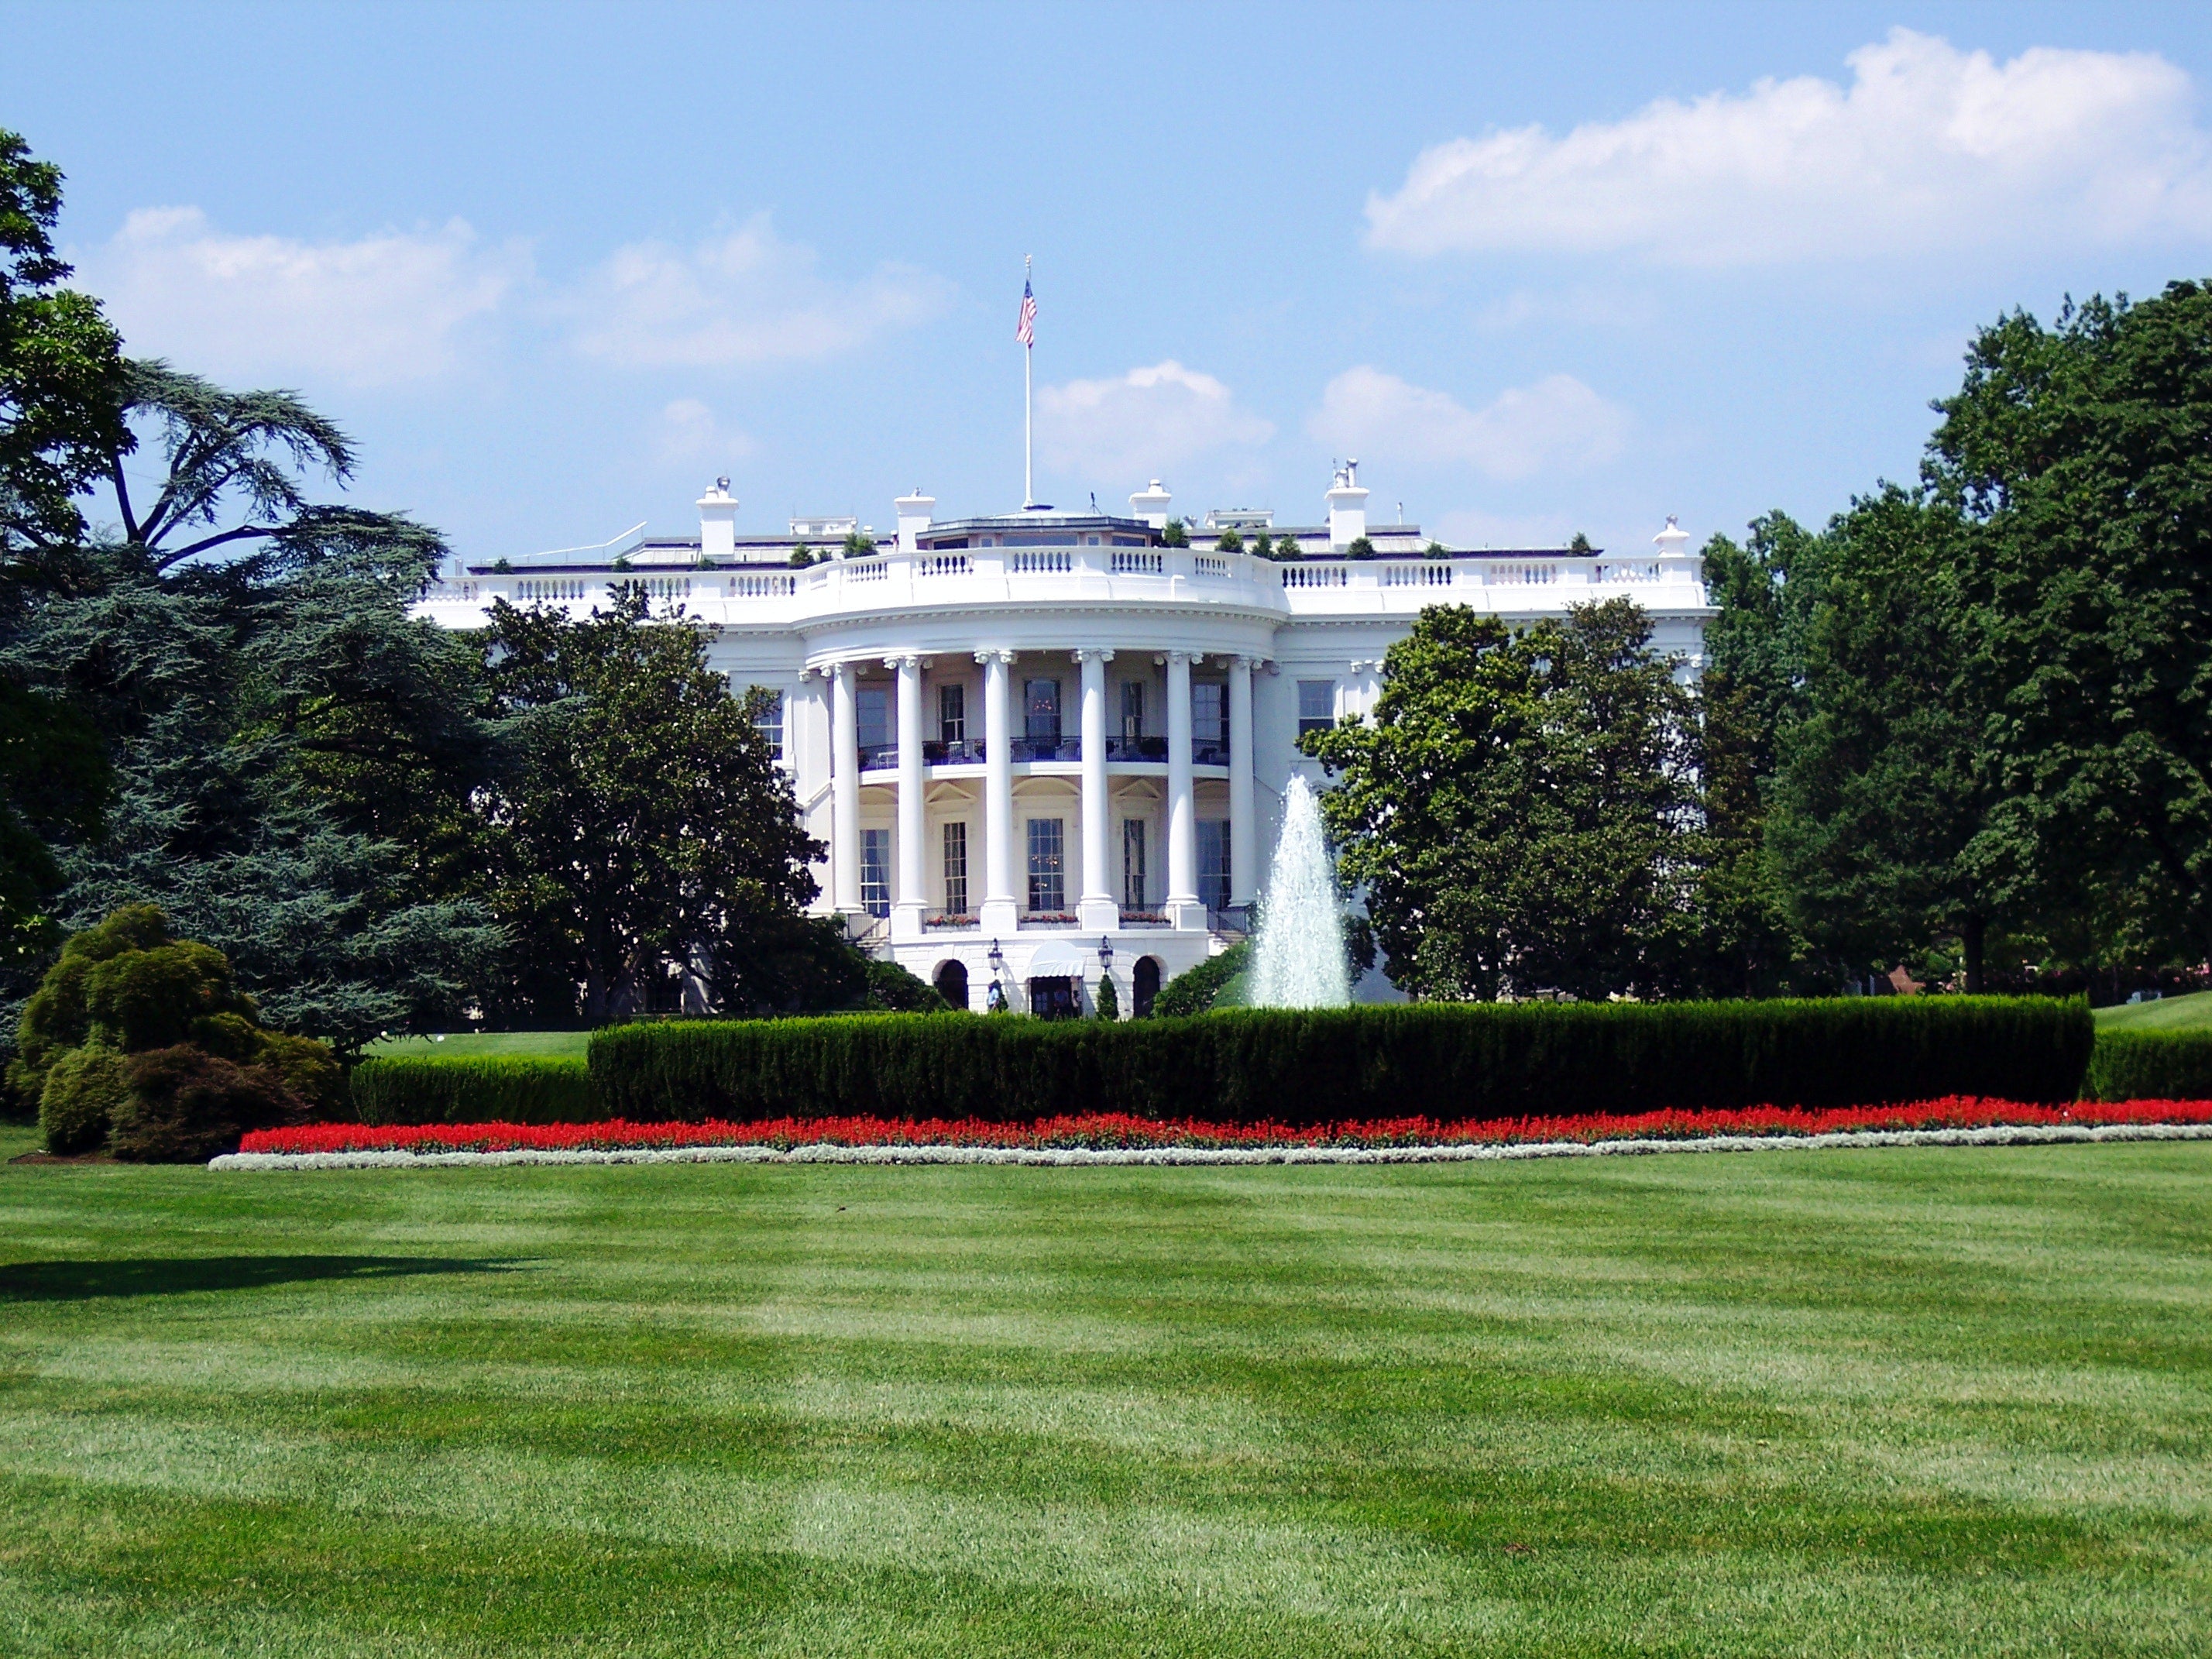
648,837
1522,811
2081,454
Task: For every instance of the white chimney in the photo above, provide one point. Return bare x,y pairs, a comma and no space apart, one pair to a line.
718,523
1347,506
1152,505
1673,540
913,513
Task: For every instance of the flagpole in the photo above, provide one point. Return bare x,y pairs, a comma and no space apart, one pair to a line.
1029,479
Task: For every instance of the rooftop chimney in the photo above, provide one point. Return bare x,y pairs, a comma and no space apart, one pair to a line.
914,512
1152,505
1347,507
718,523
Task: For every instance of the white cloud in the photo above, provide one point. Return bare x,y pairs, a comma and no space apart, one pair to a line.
387,308
688,431
1927,148
1558,424
1142,424
744,298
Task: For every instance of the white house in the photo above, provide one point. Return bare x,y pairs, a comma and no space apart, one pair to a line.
1046,744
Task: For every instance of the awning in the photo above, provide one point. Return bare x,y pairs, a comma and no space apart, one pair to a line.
1059,958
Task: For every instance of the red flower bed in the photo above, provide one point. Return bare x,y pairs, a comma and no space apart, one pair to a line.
1115,1129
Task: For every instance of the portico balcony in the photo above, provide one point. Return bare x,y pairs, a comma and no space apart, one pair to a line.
971,751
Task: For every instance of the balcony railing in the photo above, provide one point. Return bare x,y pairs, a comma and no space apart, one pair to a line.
1137,749
969,751
878,756
1208,752
1046,749
954,752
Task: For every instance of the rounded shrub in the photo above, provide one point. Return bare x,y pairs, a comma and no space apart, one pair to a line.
185,1105
84,1090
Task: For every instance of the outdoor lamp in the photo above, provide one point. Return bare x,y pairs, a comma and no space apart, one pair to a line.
1105,952
997,958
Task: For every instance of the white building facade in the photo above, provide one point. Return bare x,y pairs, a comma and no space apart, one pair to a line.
1047,747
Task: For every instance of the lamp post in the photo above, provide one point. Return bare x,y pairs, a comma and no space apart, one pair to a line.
995,999
1105,953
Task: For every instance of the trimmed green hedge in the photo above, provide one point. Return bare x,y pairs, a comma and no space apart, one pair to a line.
2151,1066
1445,1061
480,1089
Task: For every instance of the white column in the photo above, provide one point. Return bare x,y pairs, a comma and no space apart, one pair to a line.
1097,911
906,908
1243,840
999,911
844,790
1183,907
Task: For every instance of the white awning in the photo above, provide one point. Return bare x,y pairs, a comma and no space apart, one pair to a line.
1059,958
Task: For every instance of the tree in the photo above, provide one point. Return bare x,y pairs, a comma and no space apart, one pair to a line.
1361,548
2081,458
1230,542
648,835
54,783
1881,794
60,369
1174,535
1523,810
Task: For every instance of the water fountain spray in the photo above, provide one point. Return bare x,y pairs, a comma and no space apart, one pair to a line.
1298,960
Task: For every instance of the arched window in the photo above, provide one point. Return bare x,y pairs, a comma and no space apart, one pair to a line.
951,982
1145,984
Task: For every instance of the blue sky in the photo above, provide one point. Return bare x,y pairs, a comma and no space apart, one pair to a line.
1541,269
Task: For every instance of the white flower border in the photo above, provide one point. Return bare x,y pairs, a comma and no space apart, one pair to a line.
1084,1156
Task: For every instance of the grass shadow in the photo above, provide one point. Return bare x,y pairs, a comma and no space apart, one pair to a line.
76,1281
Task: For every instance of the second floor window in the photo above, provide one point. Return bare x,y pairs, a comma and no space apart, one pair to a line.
874,706
1040,711
1209,712
1132,709
1317,705
952,714
1213,863
769,724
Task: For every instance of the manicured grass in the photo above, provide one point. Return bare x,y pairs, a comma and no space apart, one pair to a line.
462,1045
2192,1012
1924,1402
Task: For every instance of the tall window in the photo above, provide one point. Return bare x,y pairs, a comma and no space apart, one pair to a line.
955,869
1317,705
769,723
1209,711
952,714
874,706
1040,711
876,871
1048,878
1132,710
1213,863
1132,863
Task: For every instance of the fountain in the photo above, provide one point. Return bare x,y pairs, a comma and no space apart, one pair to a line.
1298,959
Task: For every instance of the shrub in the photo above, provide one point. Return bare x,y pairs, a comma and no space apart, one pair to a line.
1193,991
892,989
510,1088
1457,1062
2151,1066
84,1088
1107,1005
185,1105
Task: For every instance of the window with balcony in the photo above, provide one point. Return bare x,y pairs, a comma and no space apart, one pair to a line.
955,869
1209,723
1048,861
768,722
872,704
952,714
1213,863
876,871
1040,737
1317,705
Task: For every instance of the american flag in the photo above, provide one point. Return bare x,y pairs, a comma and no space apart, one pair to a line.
1026,325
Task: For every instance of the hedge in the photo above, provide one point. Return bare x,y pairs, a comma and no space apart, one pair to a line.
1459,1062
2151,1065
480,1089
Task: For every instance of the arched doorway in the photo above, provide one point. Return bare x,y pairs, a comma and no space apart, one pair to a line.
951,982
1145,984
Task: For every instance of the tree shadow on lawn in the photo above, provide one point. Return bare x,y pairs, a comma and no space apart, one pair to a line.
75,1281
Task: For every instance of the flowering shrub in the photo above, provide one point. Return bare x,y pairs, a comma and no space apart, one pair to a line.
1118,1129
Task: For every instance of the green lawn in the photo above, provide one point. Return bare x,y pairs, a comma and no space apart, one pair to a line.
469,1045
2191,1013
1900,1402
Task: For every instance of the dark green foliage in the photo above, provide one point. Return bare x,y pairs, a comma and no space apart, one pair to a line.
1579,542
1499,1060
1107,1005
59,1016
492,1089
1361,548
1230,542
2151,1066
54,784
1193,991
1174,535
82,1092
185,1105
859,544
892,989
1435,550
